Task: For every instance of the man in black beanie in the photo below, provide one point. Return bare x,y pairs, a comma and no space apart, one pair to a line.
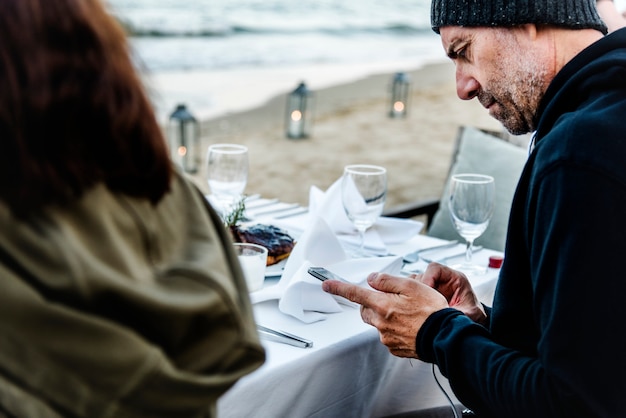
554,343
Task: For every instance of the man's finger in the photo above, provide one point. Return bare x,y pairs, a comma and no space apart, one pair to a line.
387,283
349,291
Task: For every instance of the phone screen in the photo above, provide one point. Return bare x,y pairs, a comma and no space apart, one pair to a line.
323,274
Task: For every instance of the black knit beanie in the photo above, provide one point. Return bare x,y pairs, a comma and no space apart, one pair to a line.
575,14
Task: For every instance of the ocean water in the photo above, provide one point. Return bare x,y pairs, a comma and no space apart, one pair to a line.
221,56
171,35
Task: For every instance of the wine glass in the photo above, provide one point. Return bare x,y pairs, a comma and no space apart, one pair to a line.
472,201
227,174
363,193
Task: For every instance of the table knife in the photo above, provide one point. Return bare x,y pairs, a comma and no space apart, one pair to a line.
283,337
444,260
415,255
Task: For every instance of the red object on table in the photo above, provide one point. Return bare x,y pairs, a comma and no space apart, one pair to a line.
495,261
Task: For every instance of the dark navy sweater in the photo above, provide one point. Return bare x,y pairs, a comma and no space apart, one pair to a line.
556,343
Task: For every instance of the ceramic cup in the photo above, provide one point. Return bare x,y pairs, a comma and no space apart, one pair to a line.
253,259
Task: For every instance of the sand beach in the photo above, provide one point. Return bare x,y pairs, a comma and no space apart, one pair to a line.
351,125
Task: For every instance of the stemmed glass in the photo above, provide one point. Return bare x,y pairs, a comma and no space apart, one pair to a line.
227,174
363,193
472,201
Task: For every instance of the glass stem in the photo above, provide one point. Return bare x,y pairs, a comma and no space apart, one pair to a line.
362,241
468,251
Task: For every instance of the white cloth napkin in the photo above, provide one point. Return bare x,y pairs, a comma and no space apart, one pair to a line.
328,206
300,294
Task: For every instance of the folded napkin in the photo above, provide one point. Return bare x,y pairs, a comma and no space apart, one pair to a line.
328,206
300,294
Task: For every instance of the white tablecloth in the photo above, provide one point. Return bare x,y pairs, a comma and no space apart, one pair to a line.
347,372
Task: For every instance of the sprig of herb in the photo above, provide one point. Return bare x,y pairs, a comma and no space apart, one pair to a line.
235,216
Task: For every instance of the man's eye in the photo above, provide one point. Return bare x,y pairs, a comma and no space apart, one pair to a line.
460,53
459,50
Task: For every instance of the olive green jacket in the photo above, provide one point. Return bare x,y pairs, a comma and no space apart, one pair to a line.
113,307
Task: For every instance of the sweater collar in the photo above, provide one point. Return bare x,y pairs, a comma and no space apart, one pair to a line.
568,87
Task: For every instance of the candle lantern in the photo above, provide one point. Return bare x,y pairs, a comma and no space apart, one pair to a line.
299,112
399,95
184,139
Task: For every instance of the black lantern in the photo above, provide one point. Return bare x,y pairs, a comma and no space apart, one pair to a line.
184,139
399,95
299,112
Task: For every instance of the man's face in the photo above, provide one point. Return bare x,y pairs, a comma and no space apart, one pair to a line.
500,67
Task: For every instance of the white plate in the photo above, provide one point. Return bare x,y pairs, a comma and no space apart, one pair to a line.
276,270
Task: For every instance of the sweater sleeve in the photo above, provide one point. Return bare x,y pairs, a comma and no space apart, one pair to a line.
487,323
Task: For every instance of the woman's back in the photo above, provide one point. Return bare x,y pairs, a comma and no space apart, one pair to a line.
114,307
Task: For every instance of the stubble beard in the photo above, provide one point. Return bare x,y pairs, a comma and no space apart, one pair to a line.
517,87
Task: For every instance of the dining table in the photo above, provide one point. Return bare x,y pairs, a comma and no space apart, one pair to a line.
347,371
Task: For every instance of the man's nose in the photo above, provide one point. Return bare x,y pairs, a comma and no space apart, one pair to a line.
467,87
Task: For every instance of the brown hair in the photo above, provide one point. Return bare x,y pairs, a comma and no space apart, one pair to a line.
73,111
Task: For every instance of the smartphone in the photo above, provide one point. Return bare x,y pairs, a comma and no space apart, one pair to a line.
323,274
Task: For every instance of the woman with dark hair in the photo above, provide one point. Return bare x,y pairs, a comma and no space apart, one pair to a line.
121,296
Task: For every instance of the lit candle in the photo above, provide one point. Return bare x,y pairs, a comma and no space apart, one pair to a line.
295,124
182,156
398,108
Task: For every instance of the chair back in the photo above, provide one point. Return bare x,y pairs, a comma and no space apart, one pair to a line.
483,152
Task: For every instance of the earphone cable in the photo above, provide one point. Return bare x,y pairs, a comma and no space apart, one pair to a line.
456,415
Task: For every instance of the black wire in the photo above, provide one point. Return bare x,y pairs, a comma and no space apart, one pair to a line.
456,415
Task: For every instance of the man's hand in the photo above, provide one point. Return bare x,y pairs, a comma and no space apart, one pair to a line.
397,309
455,287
